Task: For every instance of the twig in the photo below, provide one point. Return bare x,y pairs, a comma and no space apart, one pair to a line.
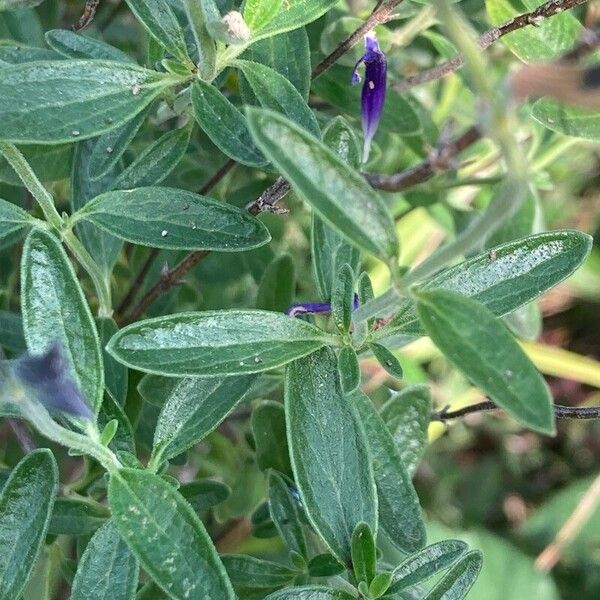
210,184
89,12
561,412
441,159
545,11
379,15
573,525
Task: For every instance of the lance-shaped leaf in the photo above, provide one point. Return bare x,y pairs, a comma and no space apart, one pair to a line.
311,592
329,452
174,219
257,13
75,516
224,124
459,580
25,508
13,221
247,572
268,429
204,493
107,568
161,23
193,409
399,510
55,310
67,100
167,537
569,120
478,344
506,277
74,45
211,343
335,190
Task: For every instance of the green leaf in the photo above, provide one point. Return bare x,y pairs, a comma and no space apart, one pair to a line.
107,568
329,453
257,13
578,122
349,369
115,374
25,508
268,429
16,55
205,45
49,163
312,592
204,493
380,585
55,309
167,537
101,245
254,573
336,191
340,137
399,510
214,343
288,54
74,45
364,553
11,332
549,39
73,99
123,440
224,124
342,299
278,285
109,148
455,585
194,408
77,516
424,564
156,162
293,15
275,92
285,515
506,277
407,415
161,23
325,565
13,221
480,346
175,219
387,360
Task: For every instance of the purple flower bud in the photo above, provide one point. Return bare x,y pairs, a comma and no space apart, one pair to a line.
313,309
48,377
373,91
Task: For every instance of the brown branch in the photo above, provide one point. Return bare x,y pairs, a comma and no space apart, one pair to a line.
380,15
533,18
560,412
89,12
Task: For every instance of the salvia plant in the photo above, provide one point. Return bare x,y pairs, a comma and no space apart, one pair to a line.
205,252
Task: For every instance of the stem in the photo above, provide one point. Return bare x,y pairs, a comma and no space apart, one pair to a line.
32,183
101,284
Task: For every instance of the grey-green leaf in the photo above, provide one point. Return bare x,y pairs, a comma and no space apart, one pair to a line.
342,299
224,124
194,408
76,516
278,284
569,120
399,510
107,570
479,345
175,219
204,493
13,221
364,553
336,191
167,537
329,452
156,162
426,563
455,585
249,572
506,277
311,592
407,415
55,309
74,45
349,369
161,23
387,360
276,93
67,100
25,508
211,343
268,428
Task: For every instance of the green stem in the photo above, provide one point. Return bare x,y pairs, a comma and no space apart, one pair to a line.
101,284
32,183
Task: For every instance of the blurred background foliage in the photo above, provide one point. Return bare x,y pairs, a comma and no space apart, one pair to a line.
482,478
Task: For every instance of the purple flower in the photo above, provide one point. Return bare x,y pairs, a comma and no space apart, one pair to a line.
47,377
315,308
374,88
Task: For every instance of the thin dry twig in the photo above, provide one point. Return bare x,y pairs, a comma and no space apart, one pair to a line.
89,12
533,18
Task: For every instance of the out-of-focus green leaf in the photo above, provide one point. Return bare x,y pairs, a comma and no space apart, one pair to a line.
578,122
